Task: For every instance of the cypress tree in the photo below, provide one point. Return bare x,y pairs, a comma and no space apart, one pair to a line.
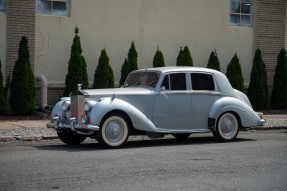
23,92
213,62
85,80
158,59
103,77
179,58
130,64
184,57
2,92
124,72
77,73
279,92
258,89
234,74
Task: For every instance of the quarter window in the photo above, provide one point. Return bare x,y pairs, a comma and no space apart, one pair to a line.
240,13
2,5
202,81
51,7
174,82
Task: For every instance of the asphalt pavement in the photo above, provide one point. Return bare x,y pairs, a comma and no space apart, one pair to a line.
256,160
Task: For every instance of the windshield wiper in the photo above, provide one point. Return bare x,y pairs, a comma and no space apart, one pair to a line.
149,84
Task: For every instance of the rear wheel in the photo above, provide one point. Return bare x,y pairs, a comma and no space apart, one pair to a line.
114,130
70,138
227,127
181,135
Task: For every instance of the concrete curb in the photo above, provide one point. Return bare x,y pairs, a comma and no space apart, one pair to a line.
55,137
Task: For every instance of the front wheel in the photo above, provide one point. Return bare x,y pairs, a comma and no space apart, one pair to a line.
227,127
114,130
71,139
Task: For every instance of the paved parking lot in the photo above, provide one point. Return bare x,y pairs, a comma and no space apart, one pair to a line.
255,161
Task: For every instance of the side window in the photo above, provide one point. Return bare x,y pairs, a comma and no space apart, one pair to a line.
178,81
202,81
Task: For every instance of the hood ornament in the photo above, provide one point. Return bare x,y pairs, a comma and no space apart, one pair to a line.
79,87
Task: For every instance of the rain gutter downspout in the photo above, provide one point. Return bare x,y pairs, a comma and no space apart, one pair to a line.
44,86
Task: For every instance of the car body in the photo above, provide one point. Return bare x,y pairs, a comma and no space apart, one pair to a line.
155,102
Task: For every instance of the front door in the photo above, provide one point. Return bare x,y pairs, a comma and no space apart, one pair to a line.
172,106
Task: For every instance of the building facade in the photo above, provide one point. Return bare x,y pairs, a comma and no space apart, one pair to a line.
227,26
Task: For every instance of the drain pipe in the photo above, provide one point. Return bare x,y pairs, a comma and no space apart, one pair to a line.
44,86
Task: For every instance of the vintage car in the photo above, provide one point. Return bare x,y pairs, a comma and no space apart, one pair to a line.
155,102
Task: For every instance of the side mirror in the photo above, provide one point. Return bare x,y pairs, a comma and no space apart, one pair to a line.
162,89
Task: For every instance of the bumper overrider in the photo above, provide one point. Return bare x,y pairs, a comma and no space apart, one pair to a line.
262,120
82,129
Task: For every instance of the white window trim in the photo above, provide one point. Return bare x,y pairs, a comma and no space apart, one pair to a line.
240,13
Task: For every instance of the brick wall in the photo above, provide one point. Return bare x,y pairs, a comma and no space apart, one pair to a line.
20,22
54,95
269,31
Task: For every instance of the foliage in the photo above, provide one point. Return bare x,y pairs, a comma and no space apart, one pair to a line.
7,86
234,74
279,92
77,67
130,64
184,57
2,92
258,92
213,62
85,80
158,59
103,77
23,91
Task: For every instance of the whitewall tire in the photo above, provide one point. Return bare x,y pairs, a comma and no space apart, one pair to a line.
227,127
114,130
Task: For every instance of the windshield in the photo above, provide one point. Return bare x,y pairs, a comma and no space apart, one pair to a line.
147,79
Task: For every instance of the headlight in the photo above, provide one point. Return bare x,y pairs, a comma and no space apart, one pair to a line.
66,106
84,119
88,105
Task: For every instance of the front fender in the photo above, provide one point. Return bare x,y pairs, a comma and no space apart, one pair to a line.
139,120
248,117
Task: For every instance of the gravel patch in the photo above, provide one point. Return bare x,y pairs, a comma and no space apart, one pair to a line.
27,132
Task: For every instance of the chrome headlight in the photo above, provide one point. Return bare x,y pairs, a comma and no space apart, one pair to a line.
66,106
84,119
88,105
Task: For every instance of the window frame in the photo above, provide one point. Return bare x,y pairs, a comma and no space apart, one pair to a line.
51,8
240,14
205,73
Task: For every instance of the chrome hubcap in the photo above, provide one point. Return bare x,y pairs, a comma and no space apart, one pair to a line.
227,126
114,131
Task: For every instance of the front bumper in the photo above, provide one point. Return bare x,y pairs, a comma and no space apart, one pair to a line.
262,120
82,129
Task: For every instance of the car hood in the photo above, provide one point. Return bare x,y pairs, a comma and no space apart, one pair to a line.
117,91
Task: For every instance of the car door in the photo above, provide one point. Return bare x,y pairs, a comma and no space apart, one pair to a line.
172,106
203,95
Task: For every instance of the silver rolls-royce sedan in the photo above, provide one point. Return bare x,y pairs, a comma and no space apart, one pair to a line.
155,102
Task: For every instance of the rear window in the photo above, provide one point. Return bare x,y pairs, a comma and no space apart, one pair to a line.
202,81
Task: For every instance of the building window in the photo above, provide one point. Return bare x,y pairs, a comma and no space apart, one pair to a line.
2,5
240,13
51,7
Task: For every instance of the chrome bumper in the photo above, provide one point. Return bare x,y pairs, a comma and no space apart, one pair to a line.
262,120
82,129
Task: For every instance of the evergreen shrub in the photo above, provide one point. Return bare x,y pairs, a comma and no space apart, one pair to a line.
279,92
23,92
158,59
77,67
130,64
258,92
184,57
234,74
213,62
103,77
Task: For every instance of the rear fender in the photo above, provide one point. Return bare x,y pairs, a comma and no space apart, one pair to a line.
247,116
